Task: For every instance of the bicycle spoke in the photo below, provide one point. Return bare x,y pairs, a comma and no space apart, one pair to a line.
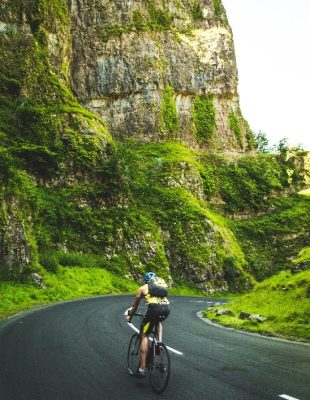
159,368
133,355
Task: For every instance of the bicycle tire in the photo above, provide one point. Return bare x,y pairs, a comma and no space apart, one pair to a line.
133,354
159,368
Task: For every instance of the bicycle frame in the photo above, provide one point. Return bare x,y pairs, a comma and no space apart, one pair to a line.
157,358
152,336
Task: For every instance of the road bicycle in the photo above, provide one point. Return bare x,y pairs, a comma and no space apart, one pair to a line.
157,360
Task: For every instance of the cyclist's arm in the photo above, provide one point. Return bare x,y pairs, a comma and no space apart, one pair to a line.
135,304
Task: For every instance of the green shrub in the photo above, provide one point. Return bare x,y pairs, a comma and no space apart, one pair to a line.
138,20
159,18
49,261
271,241
72,259
245,183
197,12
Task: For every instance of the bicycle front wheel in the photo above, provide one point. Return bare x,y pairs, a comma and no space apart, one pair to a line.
159,368
133,355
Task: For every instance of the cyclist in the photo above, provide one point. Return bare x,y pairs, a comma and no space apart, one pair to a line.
157,310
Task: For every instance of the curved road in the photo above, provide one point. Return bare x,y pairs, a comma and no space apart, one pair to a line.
77,351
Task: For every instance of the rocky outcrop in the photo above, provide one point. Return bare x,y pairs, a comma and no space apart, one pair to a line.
15,251
159,70
301,266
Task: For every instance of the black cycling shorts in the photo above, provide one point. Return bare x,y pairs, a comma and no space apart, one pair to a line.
155,313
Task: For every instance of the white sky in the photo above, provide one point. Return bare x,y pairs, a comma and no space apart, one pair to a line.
272,44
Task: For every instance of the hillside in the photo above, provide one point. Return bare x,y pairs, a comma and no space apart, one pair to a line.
284,300
121,138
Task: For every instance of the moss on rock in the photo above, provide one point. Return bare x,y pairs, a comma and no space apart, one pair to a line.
168,114
234,125
204,114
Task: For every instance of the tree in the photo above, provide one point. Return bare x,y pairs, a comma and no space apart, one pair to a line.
282,146
262,143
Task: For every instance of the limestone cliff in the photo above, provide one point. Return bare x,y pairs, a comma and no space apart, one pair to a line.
153,69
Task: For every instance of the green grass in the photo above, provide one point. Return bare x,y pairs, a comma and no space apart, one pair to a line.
304,255
283,299
67,283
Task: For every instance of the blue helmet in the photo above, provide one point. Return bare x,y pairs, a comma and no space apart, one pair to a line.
148,276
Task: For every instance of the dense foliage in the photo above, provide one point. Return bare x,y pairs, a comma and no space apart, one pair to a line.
272,240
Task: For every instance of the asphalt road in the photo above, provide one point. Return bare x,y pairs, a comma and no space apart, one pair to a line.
77,351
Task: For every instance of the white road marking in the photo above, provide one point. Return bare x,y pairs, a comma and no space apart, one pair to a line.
137,330
198,301
285,396
179,353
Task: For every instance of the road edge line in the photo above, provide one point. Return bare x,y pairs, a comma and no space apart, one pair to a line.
229,328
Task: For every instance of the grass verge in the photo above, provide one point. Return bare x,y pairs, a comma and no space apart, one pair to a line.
284,299
69,283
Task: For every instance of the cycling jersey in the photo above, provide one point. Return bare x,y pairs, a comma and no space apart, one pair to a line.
155,300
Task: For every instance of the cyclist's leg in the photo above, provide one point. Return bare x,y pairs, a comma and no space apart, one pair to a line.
162,314
159,332
146,328
143,350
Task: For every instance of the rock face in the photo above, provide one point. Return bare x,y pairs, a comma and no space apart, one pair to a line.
153,69
15,252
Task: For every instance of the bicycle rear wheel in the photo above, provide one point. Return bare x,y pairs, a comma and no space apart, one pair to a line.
159,368
133,355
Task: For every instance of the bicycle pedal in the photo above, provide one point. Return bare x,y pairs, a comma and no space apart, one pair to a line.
163,368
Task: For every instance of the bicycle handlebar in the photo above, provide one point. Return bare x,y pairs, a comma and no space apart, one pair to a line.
134,315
